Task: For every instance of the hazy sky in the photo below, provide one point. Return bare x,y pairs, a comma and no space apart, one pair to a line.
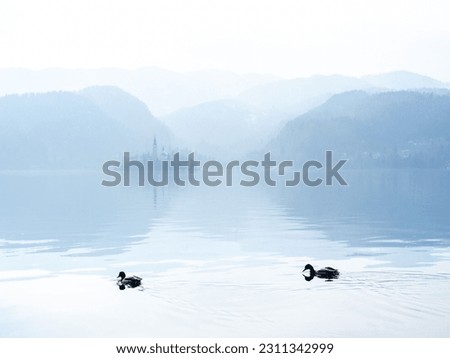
284,37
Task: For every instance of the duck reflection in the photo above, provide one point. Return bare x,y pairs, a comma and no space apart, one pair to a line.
128,282
327,273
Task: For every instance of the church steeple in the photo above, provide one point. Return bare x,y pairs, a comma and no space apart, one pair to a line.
155,149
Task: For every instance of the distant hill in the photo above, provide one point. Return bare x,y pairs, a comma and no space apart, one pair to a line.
163,91
131,113
64,130
226,128
403,80
293,97
244,124
241,125
216,113
383,130
296,96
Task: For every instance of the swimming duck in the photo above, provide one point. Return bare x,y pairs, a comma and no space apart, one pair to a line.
130,282
327,273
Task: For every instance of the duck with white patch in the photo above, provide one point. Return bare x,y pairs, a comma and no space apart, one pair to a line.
327,273
128,281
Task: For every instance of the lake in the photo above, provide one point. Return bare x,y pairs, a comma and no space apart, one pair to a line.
225,262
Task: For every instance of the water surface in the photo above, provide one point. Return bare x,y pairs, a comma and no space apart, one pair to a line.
225,262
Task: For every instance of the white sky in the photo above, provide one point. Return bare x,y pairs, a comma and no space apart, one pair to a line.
285,37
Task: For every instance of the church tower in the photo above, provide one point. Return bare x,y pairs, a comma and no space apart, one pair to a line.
155,150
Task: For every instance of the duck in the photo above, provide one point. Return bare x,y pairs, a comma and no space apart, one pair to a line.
327,273
130,281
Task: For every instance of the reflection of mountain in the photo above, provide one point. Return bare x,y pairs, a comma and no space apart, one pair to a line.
379,209
57,211
384,129
69,130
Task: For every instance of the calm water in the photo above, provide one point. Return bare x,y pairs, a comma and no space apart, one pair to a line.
221,262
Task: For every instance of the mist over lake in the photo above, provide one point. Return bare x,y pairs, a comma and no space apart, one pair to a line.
226,260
